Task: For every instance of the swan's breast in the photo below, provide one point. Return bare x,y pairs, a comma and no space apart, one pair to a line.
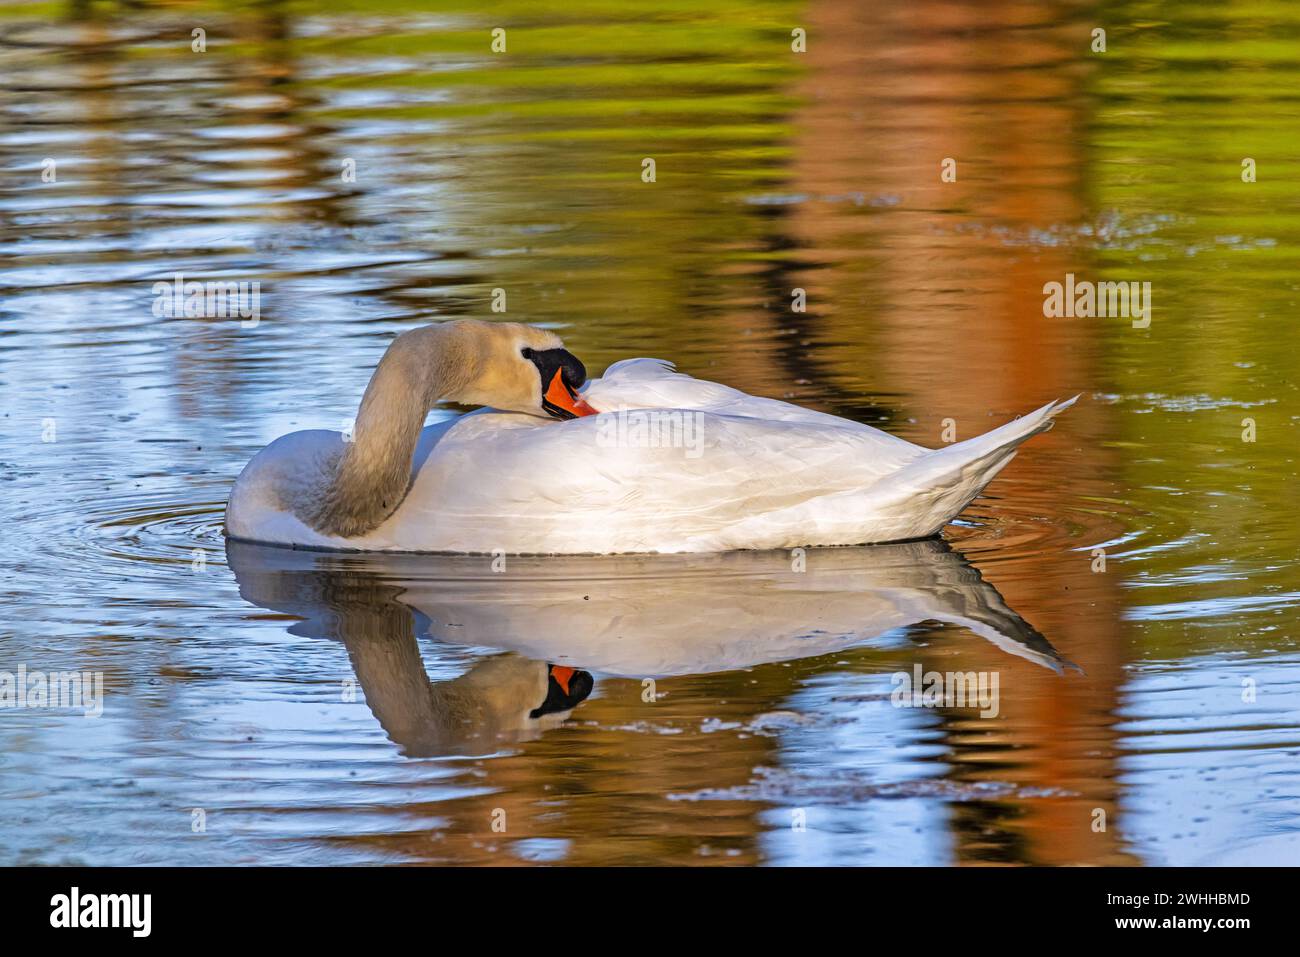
276,479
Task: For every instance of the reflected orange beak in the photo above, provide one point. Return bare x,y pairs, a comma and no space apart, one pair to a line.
562,676
562,397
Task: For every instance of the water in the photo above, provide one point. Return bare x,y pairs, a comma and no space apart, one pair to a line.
292,708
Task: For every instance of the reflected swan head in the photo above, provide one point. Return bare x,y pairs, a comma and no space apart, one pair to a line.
500,697
504,694
566,688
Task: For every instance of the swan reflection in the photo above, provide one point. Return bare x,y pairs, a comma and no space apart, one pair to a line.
623,616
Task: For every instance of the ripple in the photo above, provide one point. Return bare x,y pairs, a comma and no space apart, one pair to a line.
780,786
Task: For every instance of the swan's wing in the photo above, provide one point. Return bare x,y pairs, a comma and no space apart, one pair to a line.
654,384
640,480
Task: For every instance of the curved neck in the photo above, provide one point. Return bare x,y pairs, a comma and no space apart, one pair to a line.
373,473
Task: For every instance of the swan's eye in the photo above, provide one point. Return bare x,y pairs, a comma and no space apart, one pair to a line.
527,353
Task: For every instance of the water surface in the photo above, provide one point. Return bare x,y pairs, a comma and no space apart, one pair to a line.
344,709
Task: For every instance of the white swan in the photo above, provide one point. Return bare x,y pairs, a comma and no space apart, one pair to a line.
675,464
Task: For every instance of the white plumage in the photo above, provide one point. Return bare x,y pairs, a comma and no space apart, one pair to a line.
737,472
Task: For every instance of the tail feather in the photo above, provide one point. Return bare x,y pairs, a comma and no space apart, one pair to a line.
1002,440
938,485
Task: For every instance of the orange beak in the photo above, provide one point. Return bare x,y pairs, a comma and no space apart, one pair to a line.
562,397
562,676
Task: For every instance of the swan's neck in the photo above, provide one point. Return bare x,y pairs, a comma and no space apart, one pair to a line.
370,478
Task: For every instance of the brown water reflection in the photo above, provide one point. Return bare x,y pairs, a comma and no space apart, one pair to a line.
1023,172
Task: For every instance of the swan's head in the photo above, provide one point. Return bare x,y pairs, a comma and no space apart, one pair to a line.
519,693
518,368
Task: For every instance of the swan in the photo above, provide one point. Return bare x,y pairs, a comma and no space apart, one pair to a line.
644,459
